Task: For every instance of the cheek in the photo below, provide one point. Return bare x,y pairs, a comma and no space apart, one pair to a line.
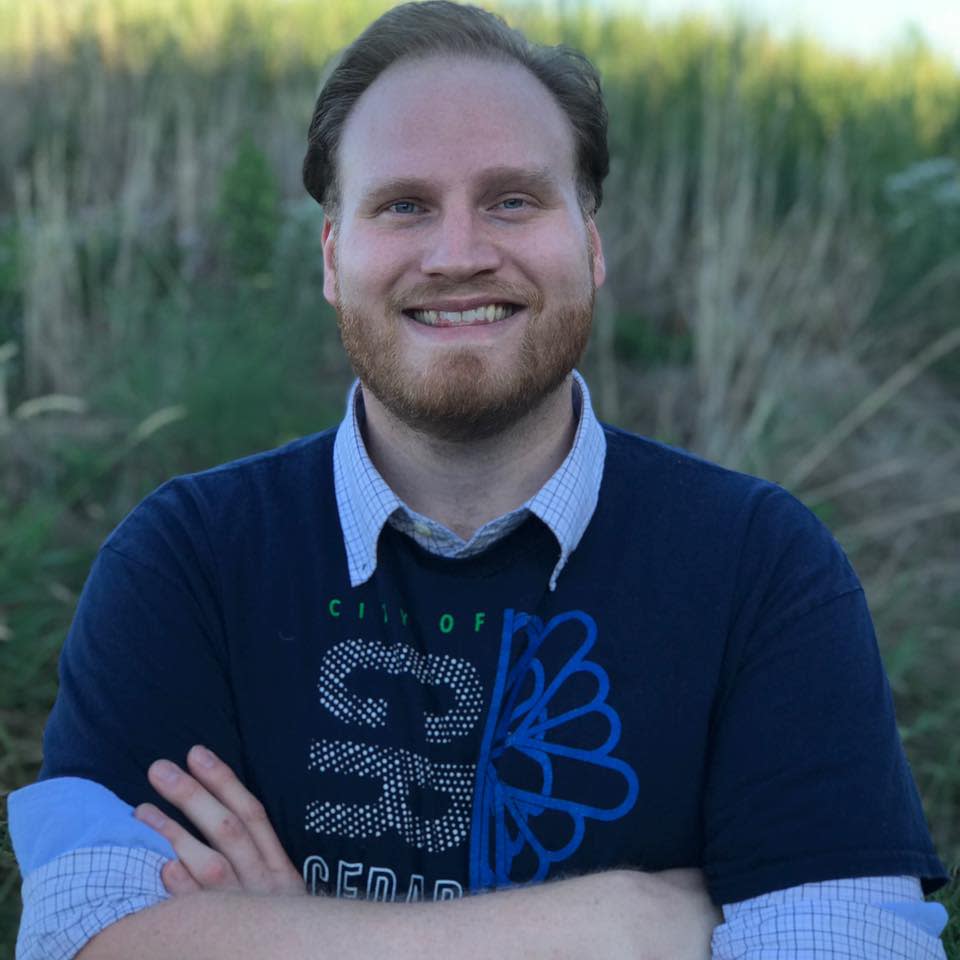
561,255
373,268
567,266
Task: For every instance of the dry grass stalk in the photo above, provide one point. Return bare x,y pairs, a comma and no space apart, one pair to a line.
52,324
873,404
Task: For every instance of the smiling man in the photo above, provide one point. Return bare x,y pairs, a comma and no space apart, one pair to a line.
471,640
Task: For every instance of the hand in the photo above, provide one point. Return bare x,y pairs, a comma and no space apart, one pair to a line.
244,852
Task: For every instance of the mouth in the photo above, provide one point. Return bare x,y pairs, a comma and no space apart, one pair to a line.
477,316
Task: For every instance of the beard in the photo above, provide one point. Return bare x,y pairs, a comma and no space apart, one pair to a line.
461,395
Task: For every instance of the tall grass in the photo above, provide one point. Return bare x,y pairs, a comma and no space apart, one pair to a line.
782,229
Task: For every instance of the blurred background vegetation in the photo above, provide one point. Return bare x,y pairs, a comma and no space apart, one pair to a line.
782,225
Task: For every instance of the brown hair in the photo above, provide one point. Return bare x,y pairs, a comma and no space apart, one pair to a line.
414,30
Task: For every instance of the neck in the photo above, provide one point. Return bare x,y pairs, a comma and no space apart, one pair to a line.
463,485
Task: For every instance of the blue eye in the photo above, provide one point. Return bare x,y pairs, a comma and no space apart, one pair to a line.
513,203
404,206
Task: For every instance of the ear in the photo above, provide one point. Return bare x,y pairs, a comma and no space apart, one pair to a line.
328,239
596,248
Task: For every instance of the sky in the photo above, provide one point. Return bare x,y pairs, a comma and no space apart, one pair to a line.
860,26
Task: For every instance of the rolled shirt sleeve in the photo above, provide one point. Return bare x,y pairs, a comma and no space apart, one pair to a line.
86,862
871,918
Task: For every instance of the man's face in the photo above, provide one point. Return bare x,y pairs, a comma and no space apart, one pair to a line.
461,266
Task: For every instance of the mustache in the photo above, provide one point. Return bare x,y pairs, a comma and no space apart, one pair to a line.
494,291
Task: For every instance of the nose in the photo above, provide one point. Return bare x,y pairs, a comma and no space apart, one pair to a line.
460,247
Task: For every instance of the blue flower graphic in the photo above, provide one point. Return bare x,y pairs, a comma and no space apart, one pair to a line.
524,718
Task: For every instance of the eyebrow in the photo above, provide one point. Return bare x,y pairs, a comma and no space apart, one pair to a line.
537,180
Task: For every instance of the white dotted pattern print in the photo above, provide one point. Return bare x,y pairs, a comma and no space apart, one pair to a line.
398,771
348,656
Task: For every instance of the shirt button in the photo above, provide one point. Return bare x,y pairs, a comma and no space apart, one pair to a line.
423,530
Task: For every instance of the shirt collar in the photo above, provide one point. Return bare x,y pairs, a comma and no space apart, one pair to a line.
565,503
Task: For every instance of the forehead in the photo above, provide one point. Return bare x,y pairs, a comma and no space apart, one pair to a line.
446,120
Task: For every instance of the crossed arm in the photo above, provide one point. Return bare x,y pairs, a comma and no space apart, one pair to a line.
240,897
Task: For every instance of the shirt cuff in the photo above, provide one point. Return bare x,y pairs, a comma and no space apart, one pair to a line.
830,930
70,813
71,898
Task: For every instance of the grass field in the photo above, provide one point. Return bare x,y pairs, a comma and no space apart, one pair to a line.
782,227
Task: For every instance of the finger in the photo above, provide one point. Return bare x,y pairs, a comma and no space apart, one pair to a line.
209,867
176,878
226,787
222,828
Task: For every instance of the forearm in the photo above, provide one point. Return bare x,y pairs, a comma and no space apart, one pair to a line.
620,913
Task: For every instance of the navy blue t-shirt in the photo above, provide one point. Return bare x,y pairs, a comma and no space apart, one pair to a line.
702,689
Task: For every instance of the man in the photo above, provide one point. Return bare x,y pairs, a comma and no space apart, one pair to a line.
471,640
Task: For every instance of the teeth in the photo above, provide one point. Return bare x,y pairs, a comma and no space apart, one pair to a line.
488,314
